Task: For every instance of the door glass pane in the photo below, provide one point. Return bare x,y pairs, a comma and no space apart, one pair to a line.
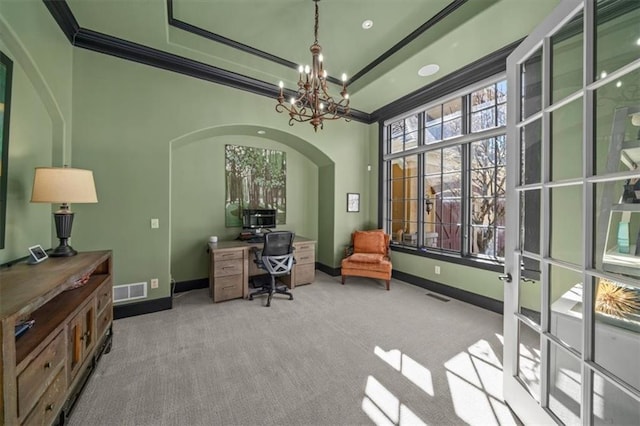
531,75
565,381
616,35
530,294
565,293
566,224
616,135
529,359
530,153
530,221
566,59
617,249
566,141
617,329
611,406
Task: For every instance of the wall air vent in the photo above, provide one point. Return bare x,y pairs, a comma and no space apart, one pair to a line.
126,292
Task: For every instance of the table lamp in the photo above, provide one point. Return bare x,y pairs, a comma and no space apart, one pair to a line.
63,185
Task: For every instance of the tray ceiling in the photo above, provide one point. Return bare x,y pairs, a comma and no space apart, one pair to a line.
264,40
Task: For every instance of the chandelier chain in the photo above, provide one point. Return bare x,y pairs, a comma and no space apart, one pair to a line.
315,29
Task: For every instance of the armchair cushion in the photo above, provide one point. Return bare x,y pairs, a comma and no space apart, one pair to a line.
366,258
369,242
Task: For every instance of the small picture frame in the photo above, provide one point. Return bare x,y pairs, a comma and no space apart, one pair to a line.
37,254
353,202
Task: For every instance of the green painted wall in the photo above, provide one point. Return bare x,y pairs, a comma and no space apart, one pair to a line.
40,118
198,186
127,117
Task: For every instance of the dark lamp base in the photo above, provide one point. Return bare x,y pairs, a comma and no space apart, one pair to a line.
63,251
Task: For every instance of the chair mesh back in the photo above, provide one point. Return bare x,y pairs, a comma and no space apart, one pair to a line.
278,243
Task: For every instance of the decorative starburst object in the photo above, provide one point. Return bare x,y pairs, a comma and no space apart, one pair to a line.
614,299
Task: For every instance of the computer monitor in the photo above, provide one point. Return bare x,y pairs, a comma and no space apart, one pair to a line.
257,219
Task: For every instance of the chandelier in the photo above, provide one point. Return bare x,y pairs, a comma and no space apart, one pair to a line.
312,102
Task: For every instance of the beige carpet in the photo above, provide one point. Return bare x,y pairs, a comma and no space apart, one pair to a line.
335,355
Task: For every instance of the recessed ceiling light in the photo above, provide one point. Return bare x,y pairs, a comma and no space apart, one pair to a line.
428,70
367,24
261,132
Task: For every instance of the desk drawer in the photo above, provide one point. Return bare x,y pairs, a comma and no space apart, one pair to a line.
227,255
50,404
226,288
39,374
304,246
227,267
305,273
305,256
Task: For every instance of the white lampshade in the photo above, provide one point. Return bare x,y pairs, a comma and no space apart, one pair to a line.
63,185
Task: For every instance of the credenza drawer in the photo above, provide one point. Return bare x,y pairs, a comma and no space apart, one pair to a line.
305,273
104,320
227,267
50,404
227,255
40,372
104,296
305,256
226,288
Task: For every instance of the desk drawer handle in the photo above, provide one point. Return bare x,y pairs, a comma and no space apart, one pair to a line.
230,286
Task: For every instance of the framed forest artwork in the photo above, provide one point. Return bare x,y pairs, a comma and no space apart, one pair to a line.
255,178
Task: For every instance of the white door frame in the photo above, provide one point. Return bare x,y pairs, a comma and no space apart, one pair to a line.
515,393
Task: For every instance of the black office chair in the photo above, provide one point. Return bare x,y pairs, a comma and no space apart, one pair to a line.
276,257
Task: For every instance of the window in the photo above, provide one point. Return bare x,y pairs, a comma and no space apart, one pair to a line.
444,175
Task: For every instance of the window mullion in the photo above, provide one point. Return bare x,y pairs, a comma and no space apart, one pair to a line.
465,247
421,188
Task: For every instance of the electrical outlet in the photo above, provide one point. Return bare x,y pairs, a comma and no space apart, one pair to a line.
437,270
154,283
155,223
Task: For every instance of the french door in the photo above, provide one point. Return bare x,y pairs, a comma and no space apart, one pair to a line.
572,257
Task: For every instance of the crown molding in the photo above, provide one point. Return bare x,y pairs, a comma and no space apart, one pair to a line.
485,67
124,49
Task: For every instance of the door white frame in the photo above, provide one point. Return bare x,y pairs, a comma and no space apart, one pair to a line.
516,395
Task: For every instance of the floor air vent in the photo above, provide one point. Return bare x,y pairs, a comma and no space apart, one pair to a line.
437,296
133,291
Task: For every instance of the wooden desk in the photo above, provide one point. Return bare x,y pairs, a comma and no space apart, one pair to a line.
231,264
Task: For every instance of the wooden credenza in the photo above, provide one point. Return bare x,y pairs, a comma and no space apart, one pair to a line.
231,265
43,370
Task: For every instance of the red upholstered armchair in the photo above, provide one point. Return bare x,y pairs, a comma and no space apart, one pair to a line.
368,256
